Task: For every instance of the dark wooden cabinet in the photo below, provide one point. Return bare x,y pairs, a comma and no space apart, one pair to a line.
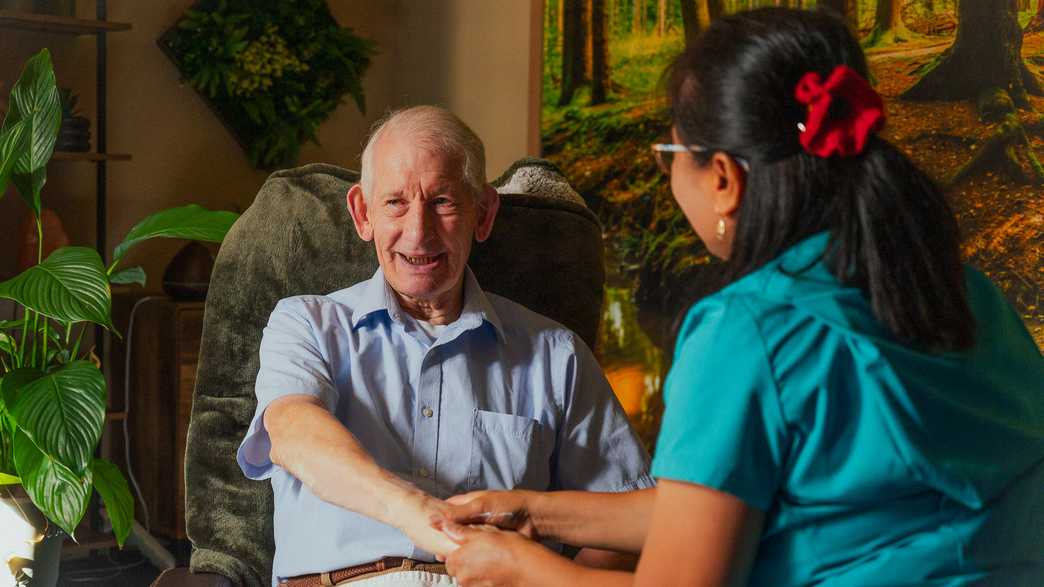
164,351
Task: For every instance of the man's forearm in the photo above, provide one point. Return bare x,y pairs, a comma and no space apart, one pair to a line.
611,521
310,443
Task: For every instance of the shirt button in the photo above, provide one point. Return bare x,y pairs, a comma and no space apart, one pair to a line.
424,472
428,412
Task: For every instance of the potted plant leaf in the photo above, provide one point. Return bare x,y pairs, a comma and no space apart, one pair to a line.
53,395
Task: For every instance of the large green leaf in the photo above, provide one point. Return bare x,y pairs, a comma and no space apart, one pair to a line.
36,104
131,275
60,494
63,413
190,222
10,385
6,479
13,142
117,497
15,381
70,286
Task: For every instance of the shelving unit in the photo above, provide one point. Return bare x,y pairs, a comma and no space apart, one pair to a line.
44,23
75,156
90,540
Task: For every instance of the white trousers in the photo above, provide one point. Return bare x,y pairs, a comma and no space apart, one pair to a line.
404,579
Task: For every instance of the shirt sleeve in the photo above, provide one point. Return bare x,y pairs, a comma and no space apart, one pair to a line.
723,425
292,363
596,449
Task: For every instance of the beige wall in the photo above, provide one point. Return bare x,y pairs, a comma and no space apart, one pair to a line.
472,56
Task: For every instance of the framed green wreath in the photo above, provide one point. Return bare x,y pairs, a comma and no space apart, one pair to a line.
271,70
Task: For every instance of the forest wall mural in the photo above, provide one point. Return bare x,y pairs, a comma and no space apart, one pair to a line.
962,81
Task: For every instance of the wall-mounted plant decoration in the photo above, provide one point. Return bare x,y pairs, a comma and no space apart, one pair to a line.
272,71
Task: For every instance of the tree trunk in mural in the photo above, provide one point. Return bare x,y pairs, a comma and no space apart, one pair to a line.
588,38
561,17
849,9
985,64
1036,24
600,53
888,24
697,15
661,18
985,57
690,21
549,38
572,50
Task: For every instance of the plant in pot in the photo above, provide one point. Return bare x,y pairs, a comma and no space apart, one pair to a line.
75,131
272,71
53,396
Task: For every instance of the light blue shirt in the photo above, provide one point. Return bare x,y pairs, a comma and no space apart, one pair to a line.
503,398
876,463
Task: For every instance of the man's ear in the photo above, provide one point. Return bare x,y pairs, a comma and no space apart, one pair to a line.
488,204
360,212
730,180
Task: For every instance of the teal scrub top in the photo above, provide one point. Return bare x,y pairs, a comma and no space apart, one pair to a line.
875,463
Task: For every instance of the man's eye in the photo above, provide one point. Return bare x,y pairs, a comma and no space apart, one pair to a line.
393,203
443,202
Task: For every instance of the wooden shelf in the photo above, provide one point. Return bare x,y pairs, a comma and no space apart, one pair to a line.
45,23
87,156
89,541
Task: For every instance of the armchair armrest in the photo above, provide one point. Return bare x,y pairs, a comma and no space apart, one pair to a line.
182,577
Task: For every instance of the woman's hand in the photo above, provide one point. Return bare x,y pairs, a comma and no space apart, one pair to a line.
510,510
491,557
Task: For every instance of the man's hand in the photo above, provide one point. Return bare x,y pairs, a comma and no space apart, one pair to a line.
420,516
510,510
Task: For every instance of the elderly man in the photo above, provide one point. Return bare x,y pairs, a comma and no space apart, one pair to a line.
378,401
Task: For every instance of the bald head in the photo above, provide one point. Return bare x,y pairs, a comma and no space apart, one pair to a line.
434,129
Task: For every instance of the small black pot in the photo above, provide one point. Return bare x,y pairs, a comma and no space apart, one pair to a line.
74,135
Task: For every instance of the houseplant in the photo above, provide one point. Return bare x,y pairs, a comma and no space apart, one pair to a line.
53,397
272,71
75,131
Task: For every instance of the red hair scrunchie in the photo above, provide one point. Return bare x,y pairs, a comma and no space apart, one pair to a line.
842,112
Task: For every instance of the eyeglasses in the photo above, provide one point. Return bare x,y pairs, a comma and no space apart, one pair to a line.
664,154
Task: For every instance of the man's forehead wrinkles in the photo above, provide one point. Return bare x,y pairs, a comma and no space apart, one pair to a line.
421,183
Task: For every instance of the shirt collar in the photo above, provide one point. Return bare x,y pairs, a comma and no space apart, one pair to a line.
377,296
805,253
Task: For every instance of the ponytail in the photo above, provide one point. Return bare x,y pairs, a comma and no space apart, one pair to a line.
899,242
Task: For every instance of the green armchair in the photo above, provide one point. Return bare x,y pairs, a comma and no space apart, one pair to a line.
545,252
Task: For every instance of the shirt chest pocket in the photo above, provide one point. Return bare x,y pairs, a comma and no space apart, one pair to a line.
509,452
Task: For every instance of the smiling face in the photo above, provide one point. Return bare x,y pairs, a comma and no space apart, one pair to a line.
422,217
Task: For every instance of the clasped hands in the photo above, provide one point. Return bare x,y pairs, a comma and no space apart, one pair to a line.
482,536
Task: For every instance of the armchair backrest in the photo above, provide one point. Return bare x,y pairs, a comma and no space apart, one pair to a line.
297,237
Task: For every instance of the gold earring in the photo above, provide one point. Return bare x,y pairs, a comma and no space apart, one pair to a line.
720,232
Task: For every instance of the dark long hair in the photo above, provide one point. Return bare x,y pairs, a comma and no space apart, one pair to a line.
893,233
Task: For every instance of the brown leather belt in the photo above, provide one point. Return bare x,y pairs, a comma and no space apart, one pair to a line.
388,563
